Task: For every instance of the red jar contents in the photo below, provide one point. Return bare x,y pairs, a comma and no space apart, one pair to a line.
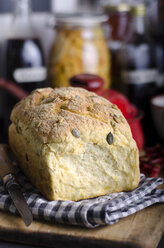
116,32
118,20
133,116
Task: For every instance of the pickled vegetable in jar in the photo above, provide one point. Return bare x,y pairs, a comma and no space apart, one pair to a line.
79,47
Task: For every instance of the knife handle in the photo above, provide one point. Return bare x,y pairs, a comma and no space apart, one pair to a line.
6,166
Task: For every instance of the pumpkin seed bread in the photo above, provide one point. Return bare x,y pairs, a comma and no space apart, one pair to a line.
73,144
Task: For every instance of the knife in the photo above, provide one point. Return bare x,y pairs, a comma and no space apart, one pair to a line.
13,188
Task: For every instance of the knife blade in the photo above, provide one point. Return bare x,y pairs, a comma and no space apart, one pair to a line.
11,185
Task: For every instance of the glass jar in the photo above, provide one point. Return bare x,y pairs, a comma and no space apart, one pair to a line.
118,20
79,47
118,25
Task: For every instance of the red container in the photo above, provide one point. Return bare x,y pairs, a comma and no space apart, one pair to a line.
136,128
130,112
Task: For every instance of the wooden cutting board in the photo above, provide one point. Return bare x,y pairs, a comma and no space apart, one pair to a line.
143,229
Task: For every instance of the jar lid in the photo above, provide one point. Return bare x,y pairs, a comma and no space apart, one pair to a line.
122,7
138,10
80,19
87,81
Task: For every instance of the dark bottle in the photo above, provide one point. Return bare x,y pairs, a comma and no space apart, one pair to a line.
159,53
139,71
156,30
24,63
23,55
23,59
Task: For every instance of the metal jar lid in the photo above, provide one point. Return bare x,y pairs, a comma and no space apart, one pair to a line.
122,7
80,19
138,10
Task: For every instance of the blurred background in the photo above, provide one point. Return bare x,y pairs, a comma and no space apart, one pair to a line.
112,47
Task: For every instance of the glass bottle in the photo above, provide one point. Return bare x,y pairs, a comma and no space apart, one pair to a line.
23,59
156,30
138,69
23,55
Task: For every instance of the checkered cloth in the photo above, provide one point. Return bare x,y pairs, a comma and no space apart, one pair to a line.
91,213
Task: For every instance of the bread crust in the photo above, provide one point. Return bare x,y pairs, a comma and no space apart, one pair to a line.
52,114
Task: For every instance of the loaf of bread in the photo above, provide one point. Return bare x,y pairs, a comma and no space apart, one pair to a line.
73,144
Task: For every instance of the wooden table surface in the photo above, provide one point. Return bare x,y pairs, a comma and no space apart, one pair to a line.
142,229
